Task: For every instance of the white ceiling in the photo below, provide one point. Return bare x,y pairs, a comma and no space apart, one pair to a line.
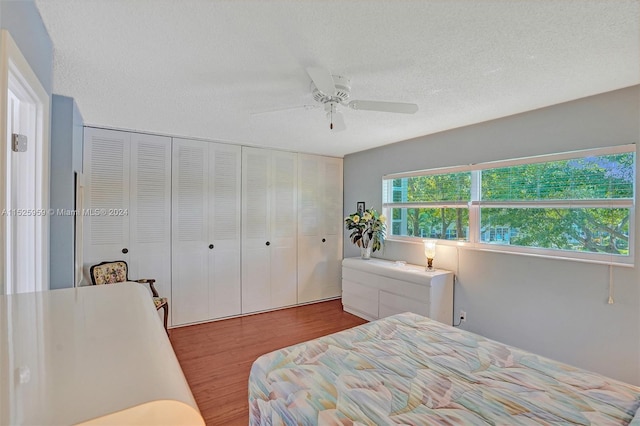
201,68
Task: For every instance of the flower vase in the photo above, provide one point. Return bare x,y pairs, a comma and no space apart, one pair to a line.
365,252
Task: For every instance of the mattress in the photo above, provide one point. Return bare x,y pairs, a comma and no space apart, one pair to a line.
410,370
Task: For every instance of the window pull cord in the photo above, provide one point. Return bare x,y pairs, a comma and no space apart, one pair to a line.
610,301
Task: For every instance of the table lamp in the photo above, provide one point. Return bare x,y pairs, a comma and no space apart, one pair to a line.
430,253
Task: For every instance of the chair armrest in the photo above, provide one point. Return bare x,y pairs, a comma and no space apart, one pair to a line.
149,281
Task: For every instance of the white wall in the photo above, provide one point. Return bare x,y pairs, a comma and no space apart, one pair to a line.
552,307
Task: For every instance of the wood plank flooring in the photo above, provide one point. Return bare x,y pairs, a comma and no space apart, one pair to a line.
216,357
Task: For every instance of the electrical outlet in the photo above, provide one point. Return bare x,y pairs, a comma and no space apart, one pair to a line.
463,316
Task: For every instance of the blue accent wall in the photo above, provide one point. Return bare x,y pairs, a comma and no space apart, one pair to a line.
22,19
66,160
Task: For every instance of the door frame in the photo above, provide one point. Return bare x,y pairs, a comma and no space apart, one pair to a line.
15,71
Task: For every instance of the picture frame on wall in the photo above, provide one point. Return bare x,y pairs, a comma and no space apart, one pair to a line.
360,207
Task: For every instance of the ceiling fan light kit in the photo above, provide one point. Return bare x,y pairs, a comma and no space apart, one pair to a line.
340,94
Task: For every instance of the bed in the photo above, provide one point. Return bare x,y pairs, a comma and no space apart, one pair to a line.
407,369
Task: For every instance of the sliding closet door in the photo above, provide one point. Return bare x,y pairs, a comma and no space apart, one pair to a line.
269,230
310,229
150,210
128,203
206,231
106,170
319,227
283,229
256,265
330,266
224,230
190,180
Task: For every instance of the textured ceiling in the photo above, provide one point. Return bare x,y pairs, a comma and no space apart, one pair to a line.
201,68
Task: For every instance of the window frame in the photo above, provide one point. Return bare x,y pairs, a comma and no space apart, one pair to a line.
475,204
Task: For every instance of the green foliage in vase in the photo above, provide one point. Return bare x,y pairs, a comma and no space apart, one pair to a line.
368,228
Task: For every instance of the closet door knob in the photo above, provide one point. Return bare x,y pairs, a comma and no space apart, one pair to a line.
268,243
125,250
211,246
324,240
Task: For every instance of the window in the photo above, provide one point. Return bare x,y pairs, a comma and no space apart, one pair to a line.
579,203
430,206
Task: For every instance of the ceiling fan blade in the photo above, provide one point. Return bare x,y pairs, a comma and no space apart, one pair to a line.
307,107
323,80
399,107
338,122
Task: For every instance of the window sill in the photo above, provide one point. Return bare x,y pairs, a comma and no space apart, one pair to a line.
599,259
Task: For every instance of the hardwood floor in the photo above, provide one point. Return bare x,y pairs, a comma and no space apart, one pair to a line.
216,357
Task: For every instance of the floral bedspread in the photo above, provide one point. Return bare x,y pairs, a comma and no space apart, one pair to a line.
410,370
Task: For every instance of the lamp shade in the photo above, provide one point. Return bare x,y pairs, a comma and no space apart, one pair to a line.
430,248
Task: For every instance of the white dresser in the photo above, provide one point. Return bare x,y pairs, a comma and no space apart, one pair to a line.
378,288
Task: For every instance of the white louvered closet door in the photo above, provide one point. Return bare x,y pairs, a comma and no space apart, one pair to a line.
224,230
256,266
150,210
319,227
333,225
106,169
190,280
283,248
269,232
310,245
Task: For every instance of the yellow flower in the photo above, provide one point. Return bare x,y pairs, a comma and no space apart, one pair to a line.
355,218
366,216
383,218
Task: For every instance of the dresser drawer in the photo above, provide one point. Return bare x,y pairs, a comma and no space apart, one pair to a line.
391,304
360,298
409,289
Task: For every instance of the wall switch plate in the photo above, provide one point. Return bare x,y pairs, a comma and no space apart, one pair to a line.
463,316
18,142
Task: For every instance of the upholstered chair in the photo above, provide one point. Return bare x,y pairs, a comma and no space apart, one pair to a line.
117,272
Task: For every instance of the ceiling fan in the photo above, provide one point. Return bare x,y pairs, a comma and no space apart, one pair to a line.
332,91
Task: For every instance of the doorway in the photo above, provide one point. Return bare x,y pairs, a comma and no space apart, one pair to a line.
24,167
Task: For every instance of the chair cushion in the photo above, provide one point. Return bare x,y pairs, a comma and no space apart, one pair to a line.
159,301
109,273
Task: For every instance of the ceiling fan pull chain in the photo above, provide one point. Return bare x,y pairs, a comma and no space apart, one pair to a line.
331,119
